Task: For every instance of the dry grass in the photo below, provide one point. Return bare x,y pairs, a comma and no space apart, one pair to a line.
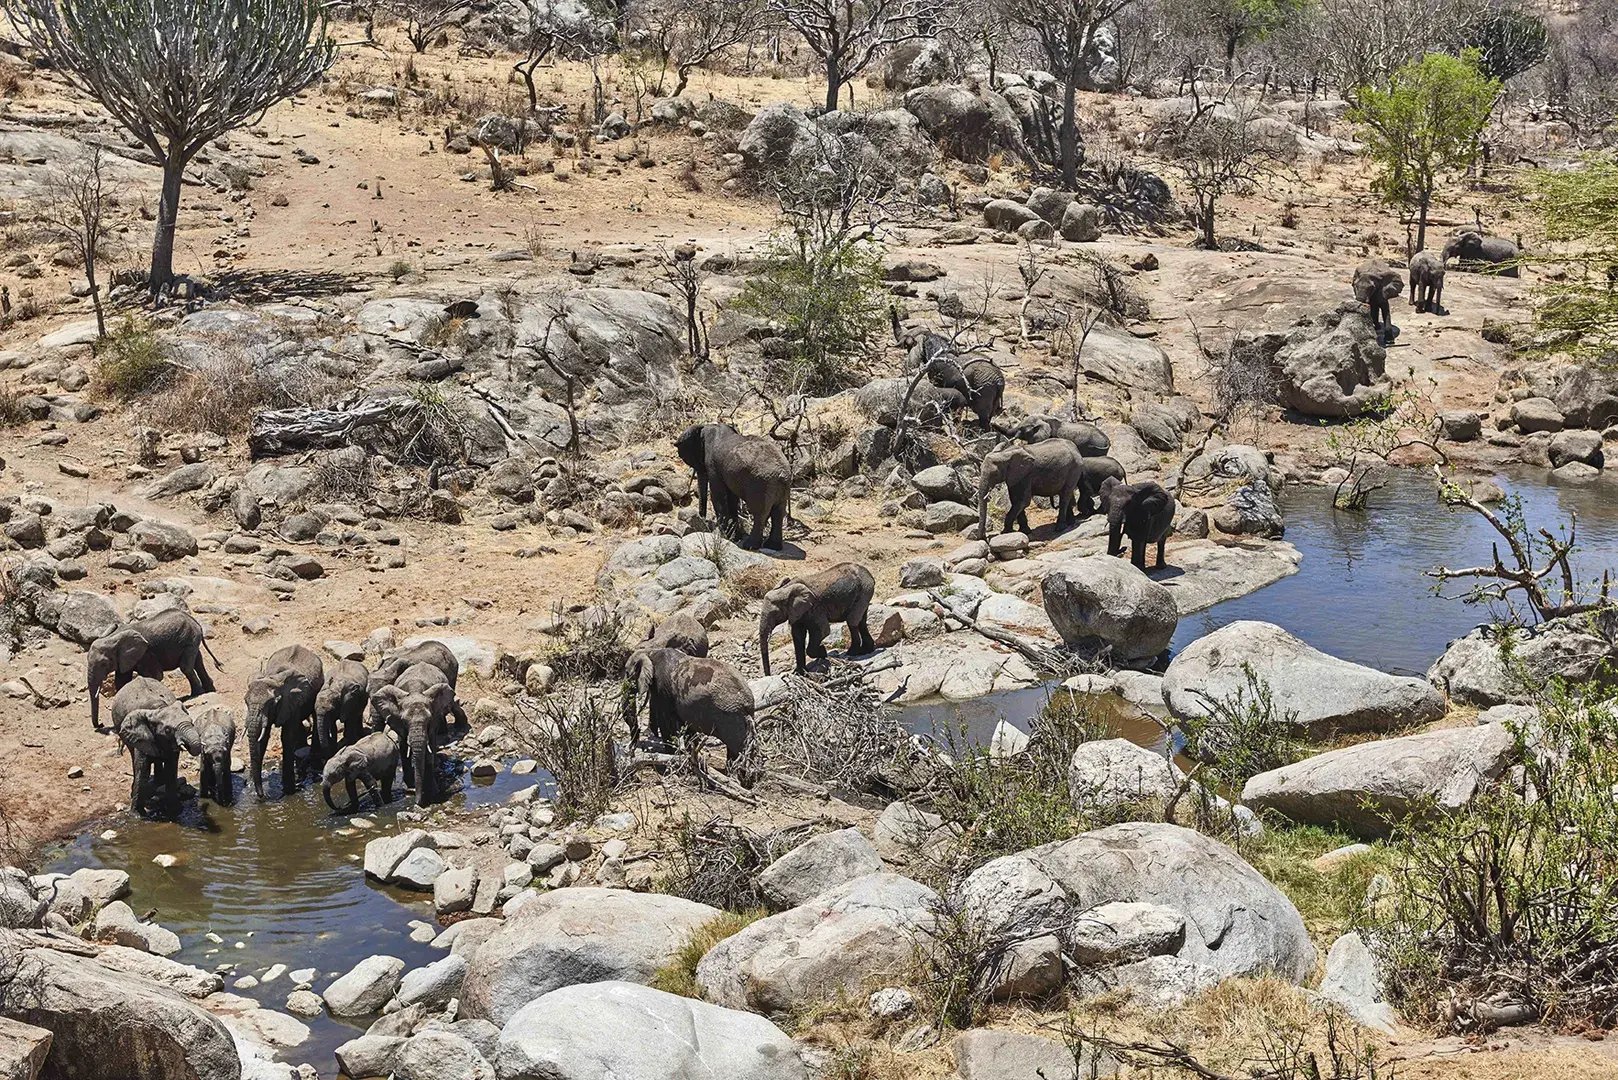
679,975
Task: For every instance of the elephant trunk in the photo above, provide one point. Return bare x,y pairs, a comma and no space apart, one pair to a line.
256,737
325,793
421,754
985,486
186,734
768,620
95,703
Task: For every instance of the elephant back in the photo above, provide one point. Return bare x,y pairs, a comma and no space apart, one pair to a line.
140,694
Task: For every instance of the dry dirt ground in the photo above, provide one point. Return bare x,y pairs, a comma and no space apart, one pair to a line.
383,193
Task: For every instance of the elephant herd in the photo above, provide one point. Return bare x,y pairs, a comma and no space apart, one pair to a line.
1375,282
360,726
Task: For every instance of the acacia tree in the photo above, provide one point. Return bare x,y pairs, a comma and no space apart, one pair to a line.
847,35
178,74
75,212
425,19
1066,31
1424,121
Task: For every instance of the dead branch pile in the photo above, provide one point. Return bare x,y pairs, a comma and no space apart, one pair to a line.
840,733
718,862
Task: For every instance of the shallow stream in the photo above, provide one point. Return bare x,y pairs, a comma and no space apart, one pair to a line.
280,882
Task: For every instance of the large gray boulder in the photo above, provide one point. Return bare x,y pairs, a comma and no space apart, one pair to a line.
1328,365
23,1048
1100,600
106,1025
79,616
1109,773
985,1054
623,1031
779,136
895,134
916,63
366,987
1368,788
440,1055
818,865
1236,922
815,951
1119,358
576,935
22,904
163,539
966,125
1473,670
1317,693
1353,982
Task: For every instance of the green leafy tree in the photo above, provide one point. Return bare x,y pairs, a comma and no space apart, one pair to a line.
1242,22
178,74
1424,122
1578,217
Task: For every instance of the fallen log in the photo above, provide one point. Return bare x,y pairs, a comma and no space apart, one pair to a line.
284,431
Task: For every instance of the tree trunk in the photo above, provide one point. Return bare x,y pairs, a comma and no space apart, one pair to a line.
683,76
1208,240
168,212
1070,129
1230,53
95,296
525,68
1421,220
834,82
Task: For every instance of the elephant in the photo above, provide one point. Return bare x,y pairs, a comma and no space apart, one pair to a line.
170,640
217,729
414,706
679,631
1375,283
980,382
697,694
810,605
1475,251
1053,467
435,653
341,703
371,762
1142,511
282,695
1427,282
739,468
155,727
1085,436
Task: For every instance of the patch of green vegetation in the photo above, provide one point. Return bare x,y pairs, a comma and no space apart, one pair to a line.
679,975
131,361
1330,900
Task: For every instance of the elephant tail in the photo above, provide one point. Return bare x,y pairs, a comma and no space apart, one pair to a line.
211,656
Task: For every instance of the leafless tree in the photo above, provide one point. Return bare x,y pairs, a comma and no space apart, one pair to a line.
75,212
424,20
682,271
178,74
1581,73
1221,151
1066,32
685,34
556,31
847,35
1364,41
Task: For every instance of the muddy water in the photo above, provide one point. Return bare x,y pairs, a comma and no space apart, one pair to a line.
279,882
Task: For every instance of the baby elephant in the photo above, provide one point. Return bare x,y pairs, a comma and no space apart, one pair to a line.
340,706
692,694
1085,436
1375,282
371,762
679,631
217,730
1144,512
810,605
1427,282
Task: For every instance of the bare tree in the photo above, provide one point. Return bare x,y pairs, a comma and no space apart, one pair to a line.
1365,41
178,74
682,271
425,19
688,33
553,31
847,35
1221,151
1066,32
75,212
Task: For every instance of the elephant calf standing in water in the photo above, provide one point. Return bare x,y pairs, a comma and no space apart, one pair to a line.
217,730
168,641
155,728
282,695
1144,512
694,694
738,469
810,605
414,706
371,762
340,707
1375,283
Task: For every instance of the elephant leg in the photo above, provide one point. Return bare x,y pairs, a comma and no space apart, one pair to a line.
387,789
800,646
1064,512
702,496
137,763
1436,302
189,670
778,518
755,537
1162,541
353,793
290,741
1137,551
859,638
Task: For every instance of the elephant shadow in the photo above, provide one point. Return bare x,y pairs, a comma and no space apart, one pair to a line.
1166,572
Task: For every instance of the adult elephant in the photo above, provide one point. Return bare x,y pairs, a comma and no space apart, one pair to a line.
1144,512
340,707
739,469
168,641
413,707
810,605
217,730
1375,283
1054,468
980,383
155,727
1087,439
679,631
371,761
1473,250
400,660
282,695
692,694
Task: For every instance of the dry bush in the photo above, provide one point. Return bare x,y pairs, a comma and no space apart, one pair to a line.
718,863
11,411
679,975
591,648
838,732
571,737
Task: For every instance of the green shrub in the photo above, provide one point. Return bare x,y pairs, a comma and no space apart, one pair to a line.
1241,735
679,975
1509,898
131,361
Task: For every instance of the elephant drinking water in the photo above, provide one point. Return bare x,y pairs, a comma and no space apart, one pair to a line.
155,728
371,761
414,707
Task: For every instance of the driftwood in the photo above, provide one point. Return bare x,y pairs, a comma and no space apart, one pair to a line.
1046,658
284,431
